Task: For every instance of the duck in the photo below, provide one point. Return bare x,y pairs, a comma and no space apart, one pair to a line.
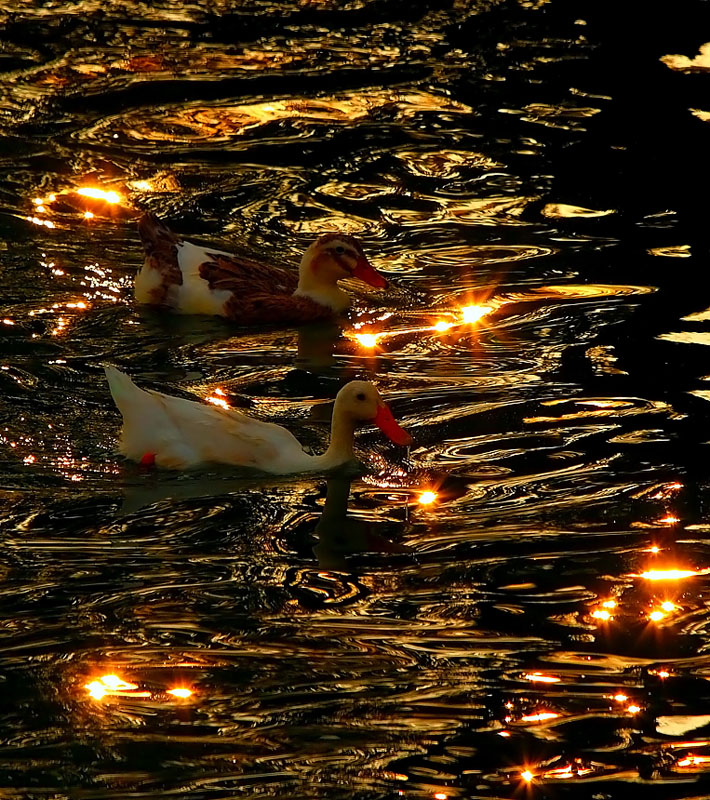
191,279
173,433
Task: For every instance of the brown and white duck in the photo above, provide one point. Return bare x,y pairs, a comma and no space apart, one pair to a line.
192,279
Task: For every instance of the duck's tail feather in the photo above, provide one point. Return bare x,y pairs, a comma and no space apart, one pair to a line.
161,273
124,392
147,430
157,238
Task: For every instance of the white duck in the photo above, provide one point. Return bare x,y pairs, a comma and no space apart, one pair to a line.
192,279
177,434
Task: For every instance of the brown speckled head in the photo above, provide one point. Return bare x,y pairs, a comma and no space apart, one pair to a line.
346,251
326,238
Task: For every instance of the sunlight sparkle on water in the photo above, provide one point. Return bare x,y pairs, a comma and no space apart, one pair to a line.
537,677
601,613
474,313
108,684
621,698
656,616
670,574
116,683
99,194
180,692
37,221
541,716
694,761
427,498
96,690
442,326
527,776
367,339
218,401
633,709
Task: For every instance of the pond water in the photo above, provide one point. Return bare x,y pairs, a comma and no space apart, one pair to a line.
541,628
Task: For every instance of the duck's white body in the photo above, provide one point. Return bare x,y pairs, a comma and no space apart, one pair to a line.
179,434
193,294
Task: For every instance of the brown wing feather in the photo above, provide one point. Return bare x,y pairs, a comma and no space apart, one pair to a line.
246,277
269,308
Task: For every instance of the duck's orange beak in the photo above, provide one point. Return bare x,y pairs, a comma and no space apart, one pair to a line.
366,272
388,425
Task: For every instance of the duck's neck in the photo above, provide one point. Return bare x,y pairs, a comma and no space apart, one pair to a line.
340,449
312,285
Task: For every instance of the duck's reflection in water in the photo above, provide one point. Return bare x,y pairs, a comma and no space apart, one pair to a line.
158,487
340,535
316,344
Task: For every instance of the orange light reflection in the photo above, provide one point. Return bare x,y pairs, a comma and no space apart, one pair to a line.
539,717
693,761
99,194
671,574
112,685
427,498
602,614
368,340
218,401
474,313
442,326
181,692
539,678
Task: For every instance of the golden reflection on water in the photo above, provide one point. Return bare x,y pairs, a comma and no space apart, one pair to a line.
100,194
445,163
561,210
676,251
539,716
672,574
113,686
538,677
680,63
495,210
221,123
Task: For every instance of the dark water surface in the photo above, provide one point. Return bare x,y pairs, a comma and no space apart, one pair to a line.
547,159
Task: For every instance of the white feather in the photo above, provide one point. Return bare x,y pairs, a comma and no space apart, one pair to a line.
182,433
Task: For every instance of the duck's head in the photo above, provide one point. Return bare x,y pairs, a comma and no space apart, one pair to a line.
334,256
361,402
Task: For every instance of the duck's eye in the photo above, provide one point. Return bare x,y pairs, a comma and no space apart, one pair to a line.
360,396
339,249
